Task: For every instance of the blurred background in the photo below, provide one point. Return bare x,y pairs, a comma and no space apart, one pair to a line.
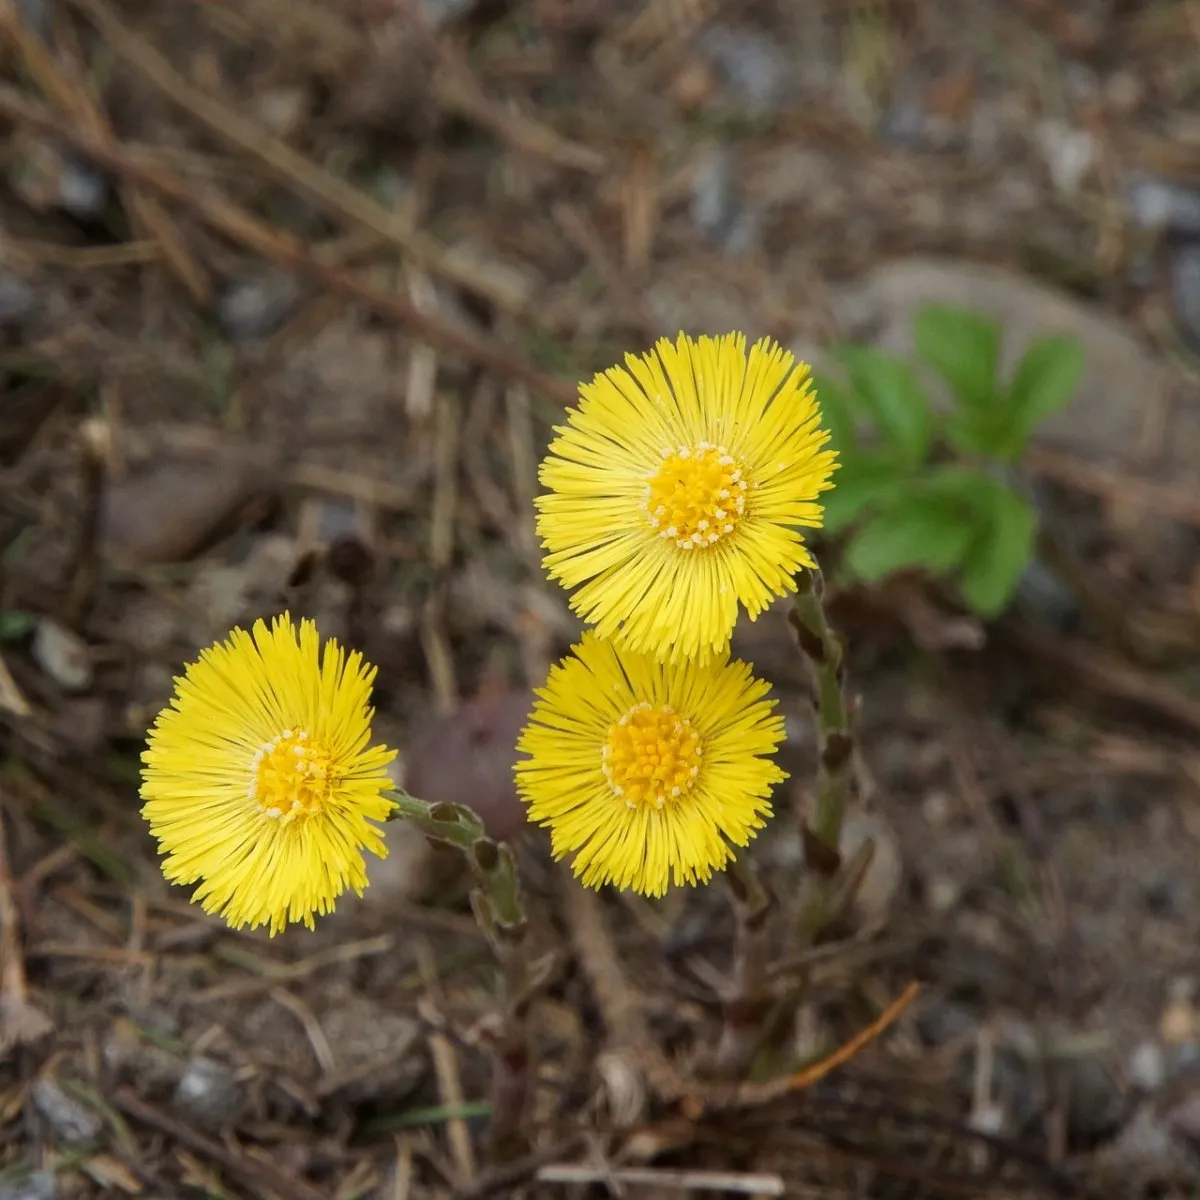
291,295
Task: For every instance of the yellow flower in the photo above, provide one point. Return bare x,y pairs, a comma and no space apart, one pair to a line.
677,490
258,779
648,772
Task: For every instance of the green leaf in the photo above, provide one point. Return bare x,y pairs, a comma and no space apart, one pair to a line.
923,530
15,623
837,413
891,396
1043,383
864,480
993,565
971,431
963,348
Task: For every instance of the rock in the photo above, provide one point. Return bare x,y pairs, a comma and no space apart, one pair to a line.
1157,204
439,14
208,1094
1179,1023
256,304
1068,152
62,654
941,1020
72,1121
376,1051
37,14
1184,270
281,109
1106,417
1095,1106
170,510
82,190
1147,1065
715,204
18,300
1042,593
39,1185
227,593
756,67
467,758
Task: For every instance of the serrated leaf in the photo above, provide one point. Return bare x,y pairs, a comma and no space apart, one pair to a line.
863,481
891,396
1043,383
963,348
837,413
927,531
992,567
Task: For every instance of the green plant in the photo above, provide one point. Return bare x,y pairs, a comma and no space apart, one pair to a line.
923,488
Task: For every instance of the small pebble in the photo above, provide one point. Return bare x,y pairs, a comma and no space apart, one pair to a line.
938,808
38,1186
72,1121
1069,154
255,305
942,894
208,1094
1162,204
714,202
62,654
755,66
1184,269
37,14
1147,1065
1042,593
1094,1101
438,14
1178,1023
17,300
82,190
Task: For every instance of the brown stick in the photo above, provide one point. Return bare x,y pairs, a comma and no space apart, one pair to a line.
235,223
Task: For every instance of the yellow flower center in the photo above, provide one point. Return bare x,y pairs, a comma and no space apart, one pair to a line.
291,776
697,496
652,755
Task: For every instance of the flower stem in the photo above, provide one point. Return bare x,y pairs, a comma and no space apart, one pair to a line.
500,910
749,999
822,647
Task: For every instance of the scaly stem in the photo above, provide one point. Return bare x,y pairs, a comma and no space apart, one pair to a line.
749,999
823,650
499,909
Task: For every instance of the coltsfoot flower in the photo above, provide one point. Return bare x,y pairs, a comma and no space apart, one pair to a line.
648,773
258,778
678,490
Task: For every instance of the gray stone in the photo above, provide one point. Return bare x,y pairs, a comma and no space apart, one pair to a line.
72,1121
1121,377
756,67
208,1094
1162,204
255,305
39,1185
1184,269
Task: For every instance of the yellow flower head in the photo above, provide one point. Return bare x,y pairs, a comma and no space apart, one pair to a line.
677,490
258,779
648,772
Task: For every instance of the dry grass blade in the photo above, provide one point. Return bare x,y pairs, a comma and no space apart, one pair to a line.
235,223
459,90
21,1023
75,100
336,198
256,1172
